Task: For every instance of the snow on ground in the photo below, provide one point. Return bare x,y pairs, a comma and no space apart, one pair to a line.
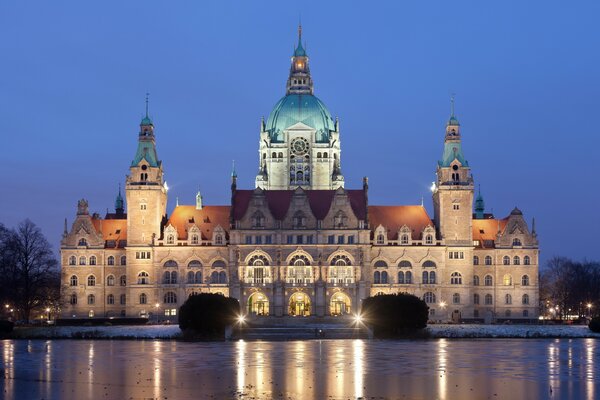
435,331
510,331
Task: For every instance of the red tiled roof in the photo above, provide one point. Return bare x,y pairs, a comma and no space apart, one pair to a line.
112,230
206,219
394,217
279,202
486,229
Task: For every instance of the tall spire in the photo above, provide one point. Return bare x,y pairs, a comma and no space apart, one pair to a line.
146,121
119,204
299,81
479,205
453,121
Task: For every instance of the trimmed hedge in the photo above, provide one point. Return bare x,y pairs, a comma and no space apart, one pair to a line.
100,321
206,315
595,325
395,315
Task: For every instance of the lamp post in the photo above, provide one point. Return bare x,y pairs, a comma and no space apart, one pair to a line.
443,306
48,314
156,306
589,308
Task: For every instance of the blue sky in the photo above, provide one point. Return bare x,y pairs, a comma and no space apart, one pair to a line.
73,77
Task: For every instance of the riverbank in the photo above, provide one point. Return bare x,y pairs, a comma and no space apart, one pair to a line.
172,332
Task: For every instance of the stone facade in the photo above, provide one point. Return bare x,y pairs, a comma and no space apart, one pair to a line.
299,244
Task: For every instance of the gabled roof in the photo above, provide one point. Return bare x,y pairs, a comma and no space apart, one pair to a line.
206,219
394,217
485,230
279,202
113,230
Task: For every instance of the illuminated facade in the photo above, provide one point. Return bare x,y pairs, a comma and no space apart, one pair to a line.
300,243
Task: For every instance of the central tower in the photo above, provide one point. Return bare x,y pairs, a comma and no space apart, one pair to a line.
300,142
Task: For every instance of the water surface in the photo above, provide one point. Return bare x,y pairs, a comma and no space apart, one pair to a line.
326,369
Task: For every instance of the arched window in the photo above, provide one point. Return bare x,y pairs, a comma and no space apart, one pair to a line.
123,280
325,155
429,264
401,277
170,298
82,260
82,242
429,239
475,280
171,264
380,264
376,277
432,277
525,299
170,239
319,154
380,239
488,299
507,280
198,277
487,281
73,299
110,299
143,278
516,260
190,277
506,260
516,242
508,299
219,264
475,298
110,260
214,277
526,260
280,155
194,264
110,280
429,298
123,260
194,239
222,277
488,260
73,280
91,280
170,277
404,264
525,280
425,279
408,277
456,278
384,277
91,299
143,298
456,298
123,299
525,313
72,260
475,260
93,260
404,239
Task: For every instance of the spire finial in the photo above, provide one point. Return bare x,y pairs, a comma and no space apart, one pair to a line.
233,173
452,96
147,96
177,201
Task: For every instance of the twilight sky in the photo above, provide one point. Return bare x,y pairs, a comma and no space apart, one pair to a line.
526,76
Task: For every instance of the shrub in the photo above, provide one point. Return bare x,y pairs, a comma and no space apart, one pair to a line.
206,315
395,315
6,327
595,325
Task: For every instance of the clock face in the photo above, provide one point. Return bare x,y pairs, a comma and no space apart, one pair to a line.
299,146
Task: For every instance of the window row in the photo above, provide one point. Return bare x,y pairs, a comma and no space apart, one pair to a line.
405,264
404,239
194,264
489,300
506,280
91,280
195,239
516,260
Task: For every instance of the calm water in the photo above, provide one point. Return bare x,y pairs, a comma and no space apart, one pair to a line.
328,369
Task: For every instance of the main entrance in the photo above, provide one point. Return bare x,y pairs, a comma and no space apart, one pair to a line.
299,305
340,304
258,304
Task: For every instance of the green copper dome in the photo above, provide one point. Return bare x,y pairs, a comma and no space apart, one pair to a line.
305,108
146,121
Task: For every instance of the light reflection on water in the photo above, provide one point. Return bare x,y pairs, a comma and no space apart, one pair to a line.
327,369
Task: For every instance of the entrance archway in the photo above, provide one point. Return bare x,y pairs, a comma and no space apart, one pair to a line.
258,304
299,305
340,304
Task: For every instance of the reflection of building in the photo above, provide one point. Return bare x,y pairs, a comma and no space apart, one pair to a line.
300,243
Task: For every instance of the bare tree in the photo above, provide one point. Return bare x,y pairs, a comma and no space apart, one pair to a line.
28,269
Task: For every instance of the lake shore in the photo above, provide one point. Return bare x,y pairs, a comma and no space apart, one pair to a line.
172,332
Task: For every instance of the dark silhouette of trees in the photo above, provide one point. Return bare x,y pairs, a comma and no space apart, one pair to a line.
29,275
572,286
395,315
206,315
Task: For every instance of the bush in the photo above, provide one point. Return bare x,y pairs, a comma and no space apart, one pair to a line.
395,315
206,315
6,327
595,325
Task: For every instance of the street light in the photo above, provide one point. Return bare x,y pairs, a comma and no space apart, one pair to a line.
156,306
589,307
48,312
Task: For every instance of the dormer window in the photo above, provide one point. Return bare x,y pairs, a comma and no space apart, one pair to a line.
404,239
219,240
258,220
340,220
82,242
194,239
516,242
170,239
428,239
299,220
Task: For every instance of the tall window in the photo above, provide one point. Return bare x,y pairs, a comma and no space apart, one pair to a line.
456,278
91,299
428,277
408,277
170,277
429,239
143,278
429,298
110,280
299,271
170,298
91,280
341,271
525,299
475,298
487,281
73,299
525,280
516,260
72,260
82,260
380,239
508,299
258,220
218,240
123,280
475,260
456,298
194,239
404,239
507,280
123,260
488,260
506,260
299,220
488,299
526,260
377,277
123,299
143,298
170,239
110,260
401,277
110,299
475,280
93,260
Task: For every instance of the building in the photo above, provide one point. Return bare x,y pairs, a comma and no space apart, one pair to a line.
300,243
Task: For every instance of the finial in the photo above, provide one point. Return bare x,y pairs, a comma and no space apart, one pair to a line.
300,30
177,201
65,232
533,226
233,173
422,202
147,95
452,105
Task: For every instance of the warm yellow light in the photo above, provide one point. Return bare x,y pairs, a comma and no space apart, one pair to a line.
432,187
299,65
47,310
442,304
358,318
157,305
241,319
589,305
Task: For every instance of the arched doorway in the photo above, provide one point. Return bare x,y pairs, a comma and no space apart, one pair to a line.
299,305
258,304
340,304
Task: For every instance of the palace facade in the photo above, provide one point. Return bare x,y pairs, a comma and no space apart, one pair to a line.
300,243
